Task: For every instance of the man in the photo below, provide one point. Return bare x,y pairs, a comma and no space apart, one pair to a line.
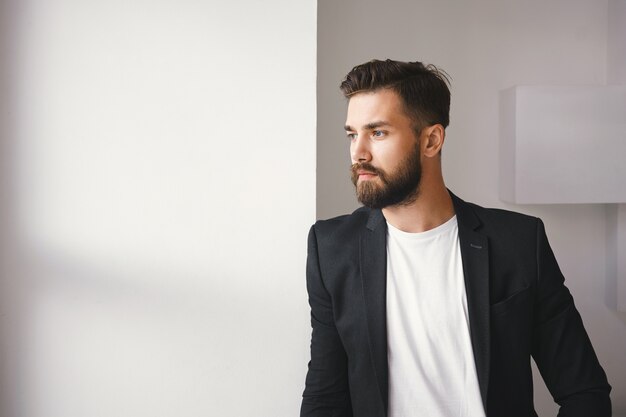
423,304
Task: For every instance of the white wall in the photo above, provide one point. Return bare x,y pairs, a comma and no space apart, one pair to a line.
158,181
485,46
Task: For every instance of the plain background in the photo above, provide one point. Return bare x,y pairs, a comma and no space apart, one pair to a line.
158,170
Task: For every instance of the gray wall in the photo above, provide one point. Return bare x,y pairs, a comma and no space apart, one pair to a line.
485,46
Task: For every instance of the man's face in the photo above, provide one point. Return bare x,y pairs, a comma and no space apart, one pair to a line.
385,153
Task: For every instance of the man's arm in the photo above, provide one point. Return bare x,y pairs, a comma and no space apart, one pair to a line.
561,347
326,392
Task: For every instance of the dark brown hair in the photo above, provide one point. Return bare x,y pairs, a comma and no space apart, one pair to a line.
423,89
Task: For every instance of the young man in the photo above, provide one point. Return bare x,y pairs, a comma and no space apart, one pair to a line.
423,304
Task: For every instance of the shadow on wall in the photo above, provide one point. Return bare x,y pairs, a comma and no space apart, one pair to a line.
11,299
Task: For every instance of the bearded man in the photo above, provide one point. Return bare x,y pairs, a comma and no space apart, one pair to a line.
423,304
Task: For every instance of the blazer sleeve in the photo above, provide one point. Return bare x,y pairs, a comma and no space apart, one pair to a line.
326,390
561,348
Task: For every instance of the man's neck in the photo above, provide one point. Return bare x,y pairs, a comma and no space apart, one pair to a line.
432,207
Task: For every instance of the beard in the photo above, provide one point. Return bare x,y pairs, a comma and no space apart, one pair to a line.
399,187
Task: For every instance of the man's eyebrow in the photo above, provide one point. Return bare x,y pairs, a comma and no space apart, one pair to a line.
369,126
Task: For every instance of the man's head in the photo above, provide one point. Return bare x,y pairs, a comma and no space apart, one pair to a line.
423,89
397,111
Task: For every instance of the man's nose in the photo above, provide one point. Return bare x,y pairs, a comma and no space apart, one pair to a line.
359,150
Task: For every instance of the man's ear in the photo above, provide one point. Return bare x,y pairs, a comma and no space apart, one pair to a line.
432,140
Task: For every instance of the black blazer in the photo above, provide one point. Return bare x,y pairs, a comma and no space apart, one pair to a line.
518,307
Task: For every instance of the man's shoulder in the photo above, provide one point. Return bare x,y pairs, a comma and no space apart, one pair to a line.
343,227
497,222
489,215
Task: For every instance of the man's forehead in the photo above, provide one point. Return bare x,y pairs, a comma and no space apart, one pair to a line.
378,107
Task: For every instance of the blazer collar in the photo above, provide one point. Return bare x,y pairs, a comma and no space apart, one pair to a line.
475,258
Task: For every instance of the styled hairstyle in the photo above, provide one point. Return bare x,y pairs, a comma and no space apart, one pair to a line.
423,89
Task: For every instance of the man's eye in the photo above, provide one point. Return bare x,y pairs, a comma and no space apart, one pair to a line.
351,136
378,133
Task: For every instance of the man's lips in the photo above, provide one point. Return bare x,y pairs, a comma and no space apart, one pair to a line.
363,172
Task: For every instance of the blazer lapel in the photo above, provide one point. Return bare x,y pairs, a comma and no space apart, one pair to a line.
373,263
475,256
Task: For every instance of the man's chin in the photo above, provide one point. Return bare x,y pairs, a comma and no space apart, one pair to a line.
374,198
369,198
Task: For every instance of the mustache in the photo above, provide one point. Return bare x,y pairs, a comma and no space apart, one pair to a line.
364,166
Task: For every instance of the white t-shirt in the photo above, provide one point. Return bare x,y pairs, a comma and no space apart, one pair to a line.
431,364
